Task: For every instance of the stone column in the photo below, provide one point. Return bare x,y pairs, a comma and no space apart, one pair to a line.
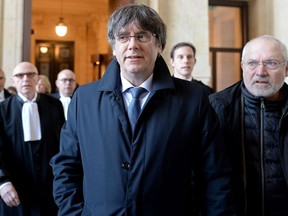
12,35
269,17
1,32
186,21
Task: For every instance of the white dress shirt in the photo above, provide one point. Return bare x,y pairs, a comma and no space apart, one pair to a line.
65,102
2,96
127,96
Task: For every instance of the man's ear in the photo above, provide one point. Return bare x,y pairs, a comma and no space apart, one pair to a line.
56,83
242,65
286,70
172,62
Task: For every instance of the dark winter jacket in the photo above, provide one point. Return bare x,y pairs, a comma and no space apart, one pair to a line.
245,120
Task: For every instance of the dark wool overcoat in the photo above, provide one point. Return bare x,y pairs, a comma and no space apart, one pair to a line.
102,169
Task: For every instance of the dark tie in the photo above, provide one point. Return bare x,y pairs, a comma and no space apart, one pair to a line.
134,108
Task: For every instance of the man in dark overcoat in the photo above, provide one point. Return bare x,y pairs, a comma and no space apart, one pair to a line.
115,161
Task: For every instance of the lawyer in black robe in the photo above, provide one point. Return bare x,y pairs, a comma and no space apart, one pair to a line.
26,164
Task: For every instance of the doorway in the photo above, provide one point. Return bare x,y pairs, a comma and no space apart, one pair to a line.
52,57
228,27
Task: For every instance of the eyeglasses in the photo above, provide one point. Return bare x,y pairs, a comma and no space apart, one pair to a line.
67,80
144,37
29,75
270,64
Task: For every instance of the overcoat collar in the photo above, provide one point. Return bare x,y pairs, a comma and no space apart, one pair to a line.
161,79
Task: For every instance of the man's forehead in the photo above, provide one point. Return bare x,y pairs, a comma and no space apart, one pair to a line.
131,27
264,44
263,48
66,74
25,68
184,49
24,71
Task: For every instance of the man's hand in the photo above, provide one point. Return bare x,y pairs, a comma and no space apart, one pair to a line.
9,195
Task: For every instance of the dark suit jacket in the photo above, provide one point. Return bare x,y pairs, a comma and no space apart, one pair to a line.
6,93
56,95
208,88
26,164
102,169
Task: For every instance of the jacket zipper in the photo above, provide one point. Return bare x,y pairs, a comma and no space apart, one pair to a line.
281,141
262,155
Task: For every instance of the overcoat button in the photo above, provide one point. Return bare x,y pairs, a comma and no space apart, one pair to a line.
125,165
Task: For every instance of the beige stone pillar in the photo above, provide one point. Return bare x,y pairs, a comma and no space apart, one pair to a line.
11,34
1,32
186,21
269,17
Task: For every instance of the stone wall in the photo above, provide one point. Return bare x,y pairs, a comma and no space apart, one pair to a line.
265,17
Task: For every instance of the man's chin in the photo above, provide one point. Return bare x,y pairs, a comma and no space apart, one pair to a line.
134,69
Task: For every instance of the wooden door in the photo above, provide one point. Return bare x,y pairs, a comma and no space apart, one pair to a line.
52,57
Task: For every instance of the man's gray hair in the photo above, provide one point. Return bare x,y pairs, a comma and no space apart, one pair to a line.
142,16
266,37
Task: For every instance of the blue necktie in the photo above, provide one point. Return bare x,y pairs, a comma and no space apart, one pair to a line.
134,108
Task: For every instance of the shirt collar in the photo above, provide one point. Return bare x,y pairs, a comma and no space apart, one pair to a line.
147,84
2,96
25,99
62,96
